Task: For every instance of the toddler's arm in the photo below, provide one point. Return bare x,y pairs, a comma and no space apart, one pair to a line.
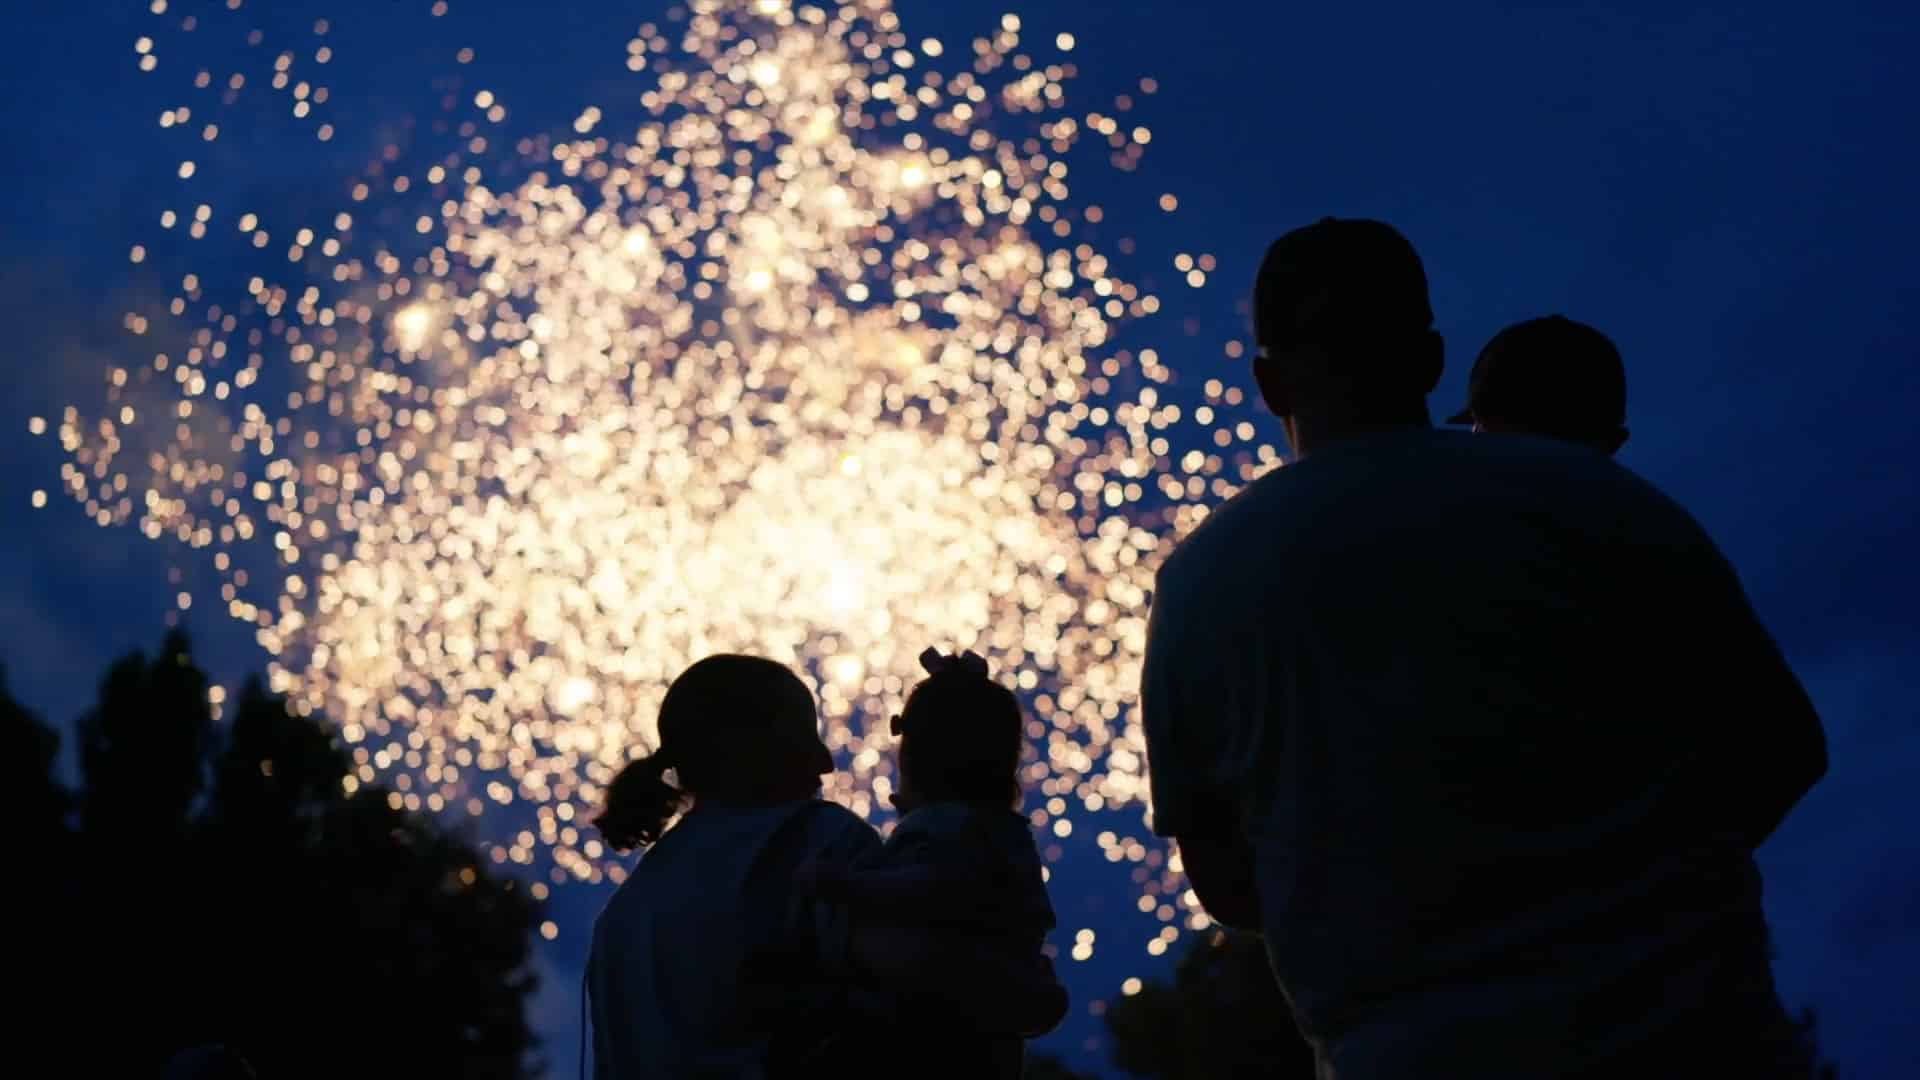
990,983
951,883
895,886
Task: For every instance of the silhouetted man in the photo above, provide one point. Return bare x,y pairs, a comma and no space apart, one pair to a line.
1481,732
1551,377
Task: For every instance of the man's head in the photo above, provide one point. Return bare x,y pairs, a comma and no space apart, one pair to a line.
1552,377
1345,331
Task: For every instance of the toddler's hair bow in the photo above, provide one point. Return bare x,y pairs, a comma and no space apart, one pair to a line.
964,663
938,664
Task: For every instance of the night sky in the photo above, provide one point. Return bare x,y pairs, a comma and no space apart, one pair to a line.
1729,194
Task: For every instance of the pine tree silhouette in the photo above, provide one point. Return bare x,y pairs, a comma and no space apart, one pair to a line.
35,801
143,748
224,889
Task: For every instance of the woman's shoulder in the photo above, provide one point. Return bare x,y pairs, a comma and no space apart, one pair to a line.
723,832
831,826
829,816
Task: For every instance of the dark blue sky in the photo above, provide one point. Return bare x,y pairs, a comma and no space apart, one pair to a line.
1729,193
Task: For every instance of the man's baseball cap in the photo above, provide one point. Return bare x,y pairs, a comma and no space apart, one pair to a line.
1339,279
1549,375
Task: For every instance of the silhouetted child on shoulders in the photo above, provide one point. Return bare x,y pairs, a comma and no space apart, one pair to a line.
1551,377
960,868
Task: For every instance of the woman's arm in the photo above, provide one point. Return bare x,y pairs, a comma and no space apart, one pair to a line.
958,882
894,887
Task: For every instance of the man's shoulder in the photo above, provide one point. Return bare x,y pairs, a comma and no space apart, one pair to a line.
1240,520
1280,506
1438,477
1577,476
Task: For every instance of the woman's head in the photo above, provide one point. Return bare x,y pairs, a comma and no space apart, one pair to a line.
735,729
959,735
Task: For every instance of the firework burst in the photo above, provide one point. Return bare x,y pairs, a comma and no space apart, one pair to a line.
813,359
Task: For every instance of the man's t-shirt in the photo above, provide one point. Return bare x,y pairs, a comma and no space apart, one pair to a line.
1503,731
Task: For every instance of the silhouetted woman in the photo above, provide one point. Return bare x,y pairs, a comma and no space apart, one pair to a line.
692,955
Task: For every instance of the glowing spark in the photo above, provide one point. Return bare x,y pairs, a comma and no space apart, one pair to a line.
820,126
844,593
846,670
572,694
412,325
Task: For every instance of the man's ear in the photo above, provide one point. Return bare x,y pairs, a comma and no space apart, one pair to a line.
1429,359
1275,388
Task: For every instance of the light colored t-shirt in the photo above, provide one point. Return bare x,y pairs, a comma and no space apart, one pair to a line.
668,971
1503,730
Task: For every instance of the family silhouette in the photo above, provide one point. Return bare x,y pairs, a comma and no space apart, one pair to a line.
1476,729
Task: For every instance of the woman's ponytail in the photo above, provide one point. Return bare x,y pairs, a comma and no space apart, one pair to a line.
640,804
734,729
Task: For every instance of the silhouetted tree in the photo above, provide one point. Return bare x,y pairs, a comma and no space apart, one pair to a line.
39,883
232,891
276,773
36,803
1222,1016
143,748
